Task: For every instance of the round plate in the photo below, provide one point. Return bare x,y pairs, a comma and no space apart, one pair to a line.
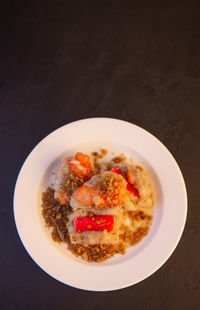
140,261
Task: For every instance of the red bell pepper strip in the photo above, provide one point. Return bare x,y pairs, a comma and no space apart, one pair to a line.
97,222
129,186
133,190
116,170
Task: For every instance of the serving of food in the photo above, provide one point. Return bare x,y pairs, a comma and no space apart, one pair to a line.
78,207
98,207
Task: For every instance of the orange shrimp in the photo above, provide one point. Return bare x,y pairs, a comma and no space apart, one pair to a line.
80,165
62,197
85,195
90,196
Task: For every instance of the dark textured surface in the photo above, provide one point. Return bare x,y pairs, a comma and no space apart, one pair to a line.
65,60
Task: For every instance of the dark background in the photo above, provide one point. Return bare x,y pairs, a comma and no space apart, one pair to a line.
65,60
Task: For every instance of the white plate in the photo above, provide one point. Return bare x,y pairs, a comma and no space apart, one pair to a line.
140,261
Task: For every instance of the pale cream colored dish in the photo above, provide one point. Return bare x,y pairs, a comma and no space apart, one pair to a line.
141,260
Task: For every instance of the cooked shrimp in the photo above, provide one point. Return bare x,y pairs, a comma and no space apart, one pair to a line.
63,197
80,165
110,191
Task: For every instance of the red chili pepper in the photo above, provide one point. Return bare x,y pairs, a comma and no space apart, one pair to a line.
129,186
97,222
